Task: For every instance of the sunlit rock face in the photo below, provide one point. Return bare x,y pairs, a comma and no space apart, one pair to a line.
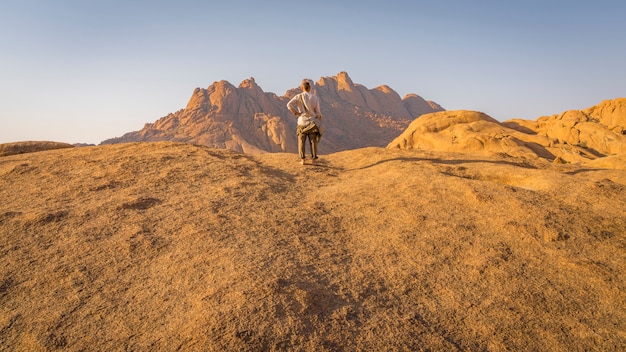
247,119
594,136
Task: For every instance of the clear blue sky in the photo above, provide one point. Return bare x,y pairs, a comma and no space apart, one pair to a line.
84,71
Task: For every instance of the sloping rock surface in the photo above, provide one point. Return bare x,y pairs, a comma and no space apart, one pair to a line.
594,136
170,246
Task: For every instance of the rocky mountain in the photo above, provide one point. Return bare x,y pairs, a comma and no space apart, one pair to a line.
247,119
595,136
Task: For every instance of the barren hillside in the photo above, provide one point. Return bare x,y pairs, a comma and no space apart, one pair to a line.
165,246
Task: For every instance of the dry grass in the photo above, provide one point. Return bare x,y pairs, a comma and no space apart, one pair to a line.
177,247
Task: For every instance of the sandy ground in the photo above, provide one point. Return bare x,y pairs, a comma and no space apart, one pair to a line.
164,246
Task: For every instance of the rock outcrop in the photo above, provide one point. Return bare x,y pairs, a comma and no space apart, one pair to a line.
7,149
594,136
247,119
599,130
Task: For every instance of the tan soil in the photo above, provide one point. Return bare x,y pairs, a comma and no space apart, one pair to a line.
162,246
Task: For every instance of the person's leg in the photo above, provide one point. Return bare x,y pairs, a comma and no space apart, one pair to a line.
301,143
313,140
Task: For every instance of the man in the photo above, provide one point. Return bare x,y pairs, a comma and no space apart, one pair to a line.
306,106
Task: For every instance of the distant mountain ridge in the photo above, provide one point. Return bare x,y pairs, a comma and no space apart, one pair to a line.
247,119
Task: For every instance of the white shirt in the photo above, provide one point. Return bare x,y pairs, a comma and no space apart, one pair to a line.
309,110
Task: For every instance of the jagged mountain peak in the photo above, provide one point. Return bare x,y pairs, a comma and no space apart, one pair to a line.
245,118
344,82
221,88
249,83
386,89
